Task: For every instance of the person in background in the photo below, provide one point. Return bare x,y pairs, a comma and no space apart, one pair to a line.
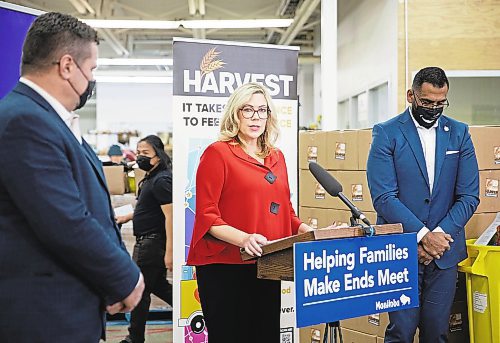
422,172
116,155
242,202
62,257
152,225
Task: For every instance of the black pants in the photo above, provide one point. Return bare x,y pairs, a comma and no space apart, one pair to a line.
237,306
149,253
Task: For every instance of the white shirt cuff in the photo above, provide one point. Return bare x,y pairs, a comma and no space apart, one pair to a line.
138,280
423,231
438,229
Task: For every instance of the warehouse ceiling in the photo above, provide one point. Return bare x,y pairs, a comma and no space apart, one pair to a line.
157,43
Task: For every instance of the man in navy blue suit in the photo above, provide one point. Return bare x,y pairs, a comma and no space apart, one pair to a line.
422,172
62,259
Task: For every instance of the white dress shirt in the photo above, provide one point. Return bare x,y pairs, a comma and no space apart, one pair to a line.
428,141
71,119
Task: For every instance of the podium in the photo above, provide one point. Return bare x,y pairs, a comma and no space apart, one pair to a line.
276,262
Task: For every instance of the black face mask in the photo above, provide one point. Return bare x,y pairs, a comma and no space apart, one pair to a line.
87,94
144,163
426,117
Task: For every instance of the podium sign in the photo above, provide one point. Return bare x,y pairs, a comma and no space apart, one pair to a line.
345,278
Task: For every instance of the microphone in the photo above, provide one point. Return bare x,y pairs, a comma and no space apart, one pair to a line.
334,188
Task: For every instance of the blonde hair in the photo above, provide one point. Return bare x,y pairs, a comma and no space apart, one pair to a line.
230,122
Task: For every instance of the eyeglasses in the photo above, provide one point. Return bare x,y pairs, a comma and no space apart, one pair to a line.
431,104
248,112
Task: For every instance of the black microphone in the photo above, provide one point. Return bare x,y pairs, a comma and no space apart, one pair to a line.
334,188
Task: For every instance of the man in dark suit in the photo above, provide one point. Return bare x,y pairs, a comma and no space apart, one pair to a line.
422,172
61,255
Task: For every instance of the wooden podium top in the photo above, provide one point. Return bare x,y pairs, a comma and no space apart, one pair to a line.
315,235
276,262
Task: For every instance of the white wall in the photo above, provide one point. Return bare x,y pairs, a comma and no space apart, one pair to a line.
367,49
146,107
305,89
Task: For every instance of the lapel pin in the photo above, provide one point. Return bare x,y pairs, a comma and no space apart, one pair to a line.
446,128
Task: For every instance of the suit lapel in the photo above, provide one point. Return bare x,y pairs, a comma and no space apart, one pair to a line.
410,133
94,162
96,165
442,140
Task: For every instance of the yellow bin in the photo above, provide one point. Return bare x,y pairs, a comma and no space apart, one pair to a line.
482,270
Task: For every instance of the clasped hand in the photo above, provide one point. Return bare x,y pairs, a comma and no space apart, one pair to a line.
436,243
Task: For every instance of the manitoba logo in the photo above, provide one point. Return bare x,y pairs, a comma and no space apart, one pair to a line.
210,63
403,300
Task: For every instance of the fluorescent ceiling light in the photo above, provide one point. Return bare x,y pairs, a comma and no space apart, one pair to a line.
134,79
135,61
190,24
236,24
131,24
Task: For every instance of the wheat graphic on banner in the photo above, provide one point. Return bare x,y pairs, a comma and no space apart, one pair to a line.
210,62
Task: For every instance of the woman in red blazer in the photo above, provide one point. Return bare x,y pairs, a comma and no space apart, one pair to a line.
242,201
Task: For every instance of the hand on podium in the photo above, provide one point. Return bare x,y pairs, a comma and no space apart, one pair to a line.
252,243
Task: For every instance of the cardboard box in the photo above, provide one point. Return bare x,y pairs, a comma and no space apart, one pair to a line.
342,150
488,191
372,216
373,324
364,144
459,323
341,217
316,218
319,218
139,174
312,148
477,224
351,336
312,334
487,145
311,194
115,179
355,188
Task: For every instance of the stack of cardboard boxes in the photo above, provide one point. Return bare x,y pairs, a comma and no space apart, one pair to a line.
486,141
344,155
371,328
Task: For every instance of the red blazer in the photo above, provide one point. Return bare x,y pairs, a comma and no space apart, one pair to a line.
231,189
